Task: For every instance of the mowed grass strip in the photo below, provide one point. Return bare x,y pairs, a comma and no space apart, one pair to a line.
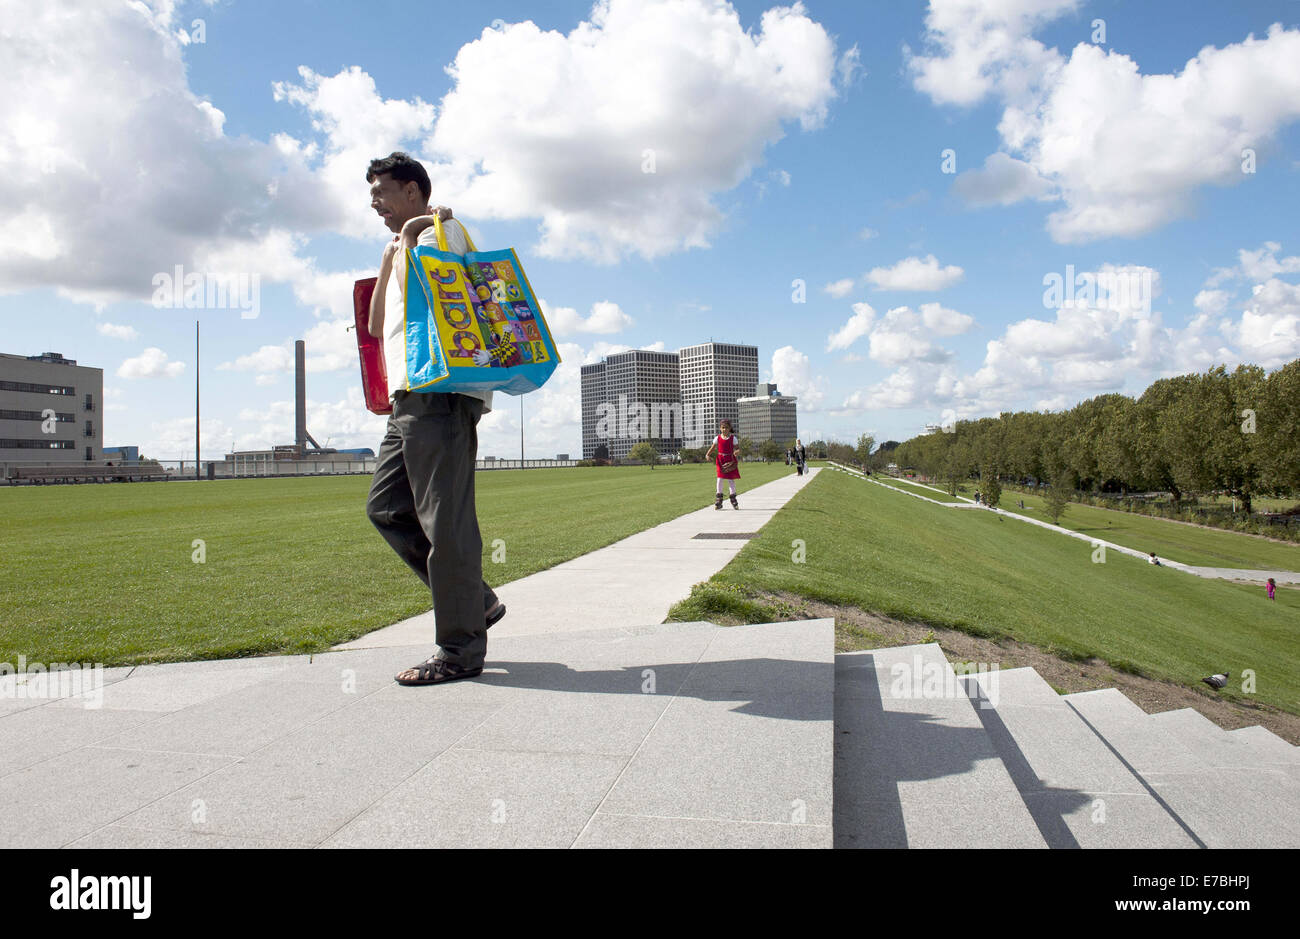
908,486
105,573
995,577
1189,544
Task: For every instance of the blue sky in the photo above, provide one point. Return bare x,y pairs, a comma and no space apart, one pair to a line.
790,145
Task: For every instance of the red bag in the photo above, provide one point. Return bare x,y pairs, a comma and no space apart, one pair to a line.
374,373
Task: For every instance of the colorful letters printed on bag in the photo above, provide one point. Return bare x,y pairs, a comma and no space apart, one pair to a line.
473,323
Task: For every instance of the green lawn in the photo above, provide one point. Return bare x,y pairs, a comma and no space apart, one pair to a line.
1190,544
1258,504
104,573
921,490
995,577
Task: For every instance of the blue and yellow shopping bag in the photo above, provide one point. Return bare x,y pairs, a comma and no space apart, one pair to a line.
472,322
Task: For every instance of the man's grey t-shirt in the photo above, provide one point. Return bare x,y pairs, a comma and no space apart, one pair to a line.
394,321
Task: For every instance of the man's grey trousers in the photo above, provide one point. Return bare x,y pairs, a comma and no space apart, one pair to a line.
422,502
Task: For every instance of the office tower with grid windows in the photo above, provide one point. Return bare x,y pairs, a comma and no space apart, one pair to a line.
769,415
593,394
714,376
630,397
51,410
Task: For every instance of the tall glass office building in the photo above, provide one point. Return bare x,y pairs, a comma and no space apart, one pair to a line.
714,376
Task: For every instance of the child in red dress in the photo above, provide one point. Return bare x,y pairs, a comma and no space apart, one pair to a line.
727,465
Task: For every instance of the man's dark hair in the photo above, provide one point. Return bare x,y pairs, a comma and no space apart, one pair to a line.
401,167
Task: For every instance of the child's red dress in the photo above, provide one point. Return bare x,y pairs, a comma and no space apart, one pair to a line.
726,454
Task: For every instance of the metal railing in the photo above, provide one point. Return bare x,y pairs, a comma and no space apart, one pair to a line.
209,469
251,469
515,464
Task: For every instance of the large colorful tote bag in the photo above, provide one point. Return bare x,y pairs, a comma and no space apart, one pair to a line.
472,322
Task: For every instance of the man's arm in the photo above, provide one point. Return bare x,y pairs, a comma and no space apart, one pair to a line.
381,288
413,228
399,243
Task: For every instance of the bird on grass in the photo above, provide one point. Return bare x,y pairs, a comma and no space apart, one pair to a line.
1216,681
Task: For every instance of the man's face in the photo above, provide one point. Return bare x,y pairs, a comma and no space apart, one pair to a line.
396,202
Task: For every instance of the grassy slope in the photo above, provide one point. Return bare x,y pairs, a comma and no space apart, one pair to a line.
104,573
969,570
1189,544
929,493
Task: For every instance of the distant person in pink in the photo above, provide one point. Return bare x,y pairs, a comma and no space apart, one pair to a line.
1270,587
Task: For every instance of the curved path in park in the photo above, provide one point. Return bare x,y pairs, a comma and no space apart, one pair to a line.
1220,573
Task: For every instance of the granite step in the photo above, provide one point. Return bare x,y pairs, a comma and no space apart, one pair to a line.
666,735
914,765
1223,749
1079,792
1224,806
1269,745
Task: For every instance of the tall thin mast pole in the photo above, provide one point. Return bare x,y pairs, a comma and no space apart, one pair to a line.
196,400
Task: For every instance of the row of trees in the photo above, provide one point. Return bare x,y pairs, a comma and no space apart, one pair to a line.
1236,432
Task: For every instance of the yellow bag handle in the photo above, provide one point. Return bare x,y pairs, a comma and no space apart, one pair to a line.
442,235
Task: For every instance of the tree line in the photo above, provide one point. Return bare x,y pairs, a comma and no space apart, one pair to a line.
1234,432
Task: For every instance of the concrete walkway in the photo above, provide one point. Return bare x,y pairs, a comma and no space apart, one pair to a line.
671,735
636,580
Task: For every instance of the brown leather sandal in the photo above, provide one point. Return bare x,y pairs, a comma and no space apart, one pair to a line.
436,671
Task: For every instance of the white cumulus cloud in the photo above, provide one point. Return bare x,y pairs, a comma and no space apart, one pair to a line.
1003,180
116,331
605,318
793,374
916,273
151,363
1073,123
1268,332
622,131
858,325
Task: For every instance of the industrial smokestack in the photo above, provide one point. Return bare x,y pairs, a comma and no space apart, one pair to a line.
300,386
301,438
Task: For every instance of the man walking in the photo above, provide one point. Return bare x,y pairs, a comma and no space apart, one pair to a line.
422,495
